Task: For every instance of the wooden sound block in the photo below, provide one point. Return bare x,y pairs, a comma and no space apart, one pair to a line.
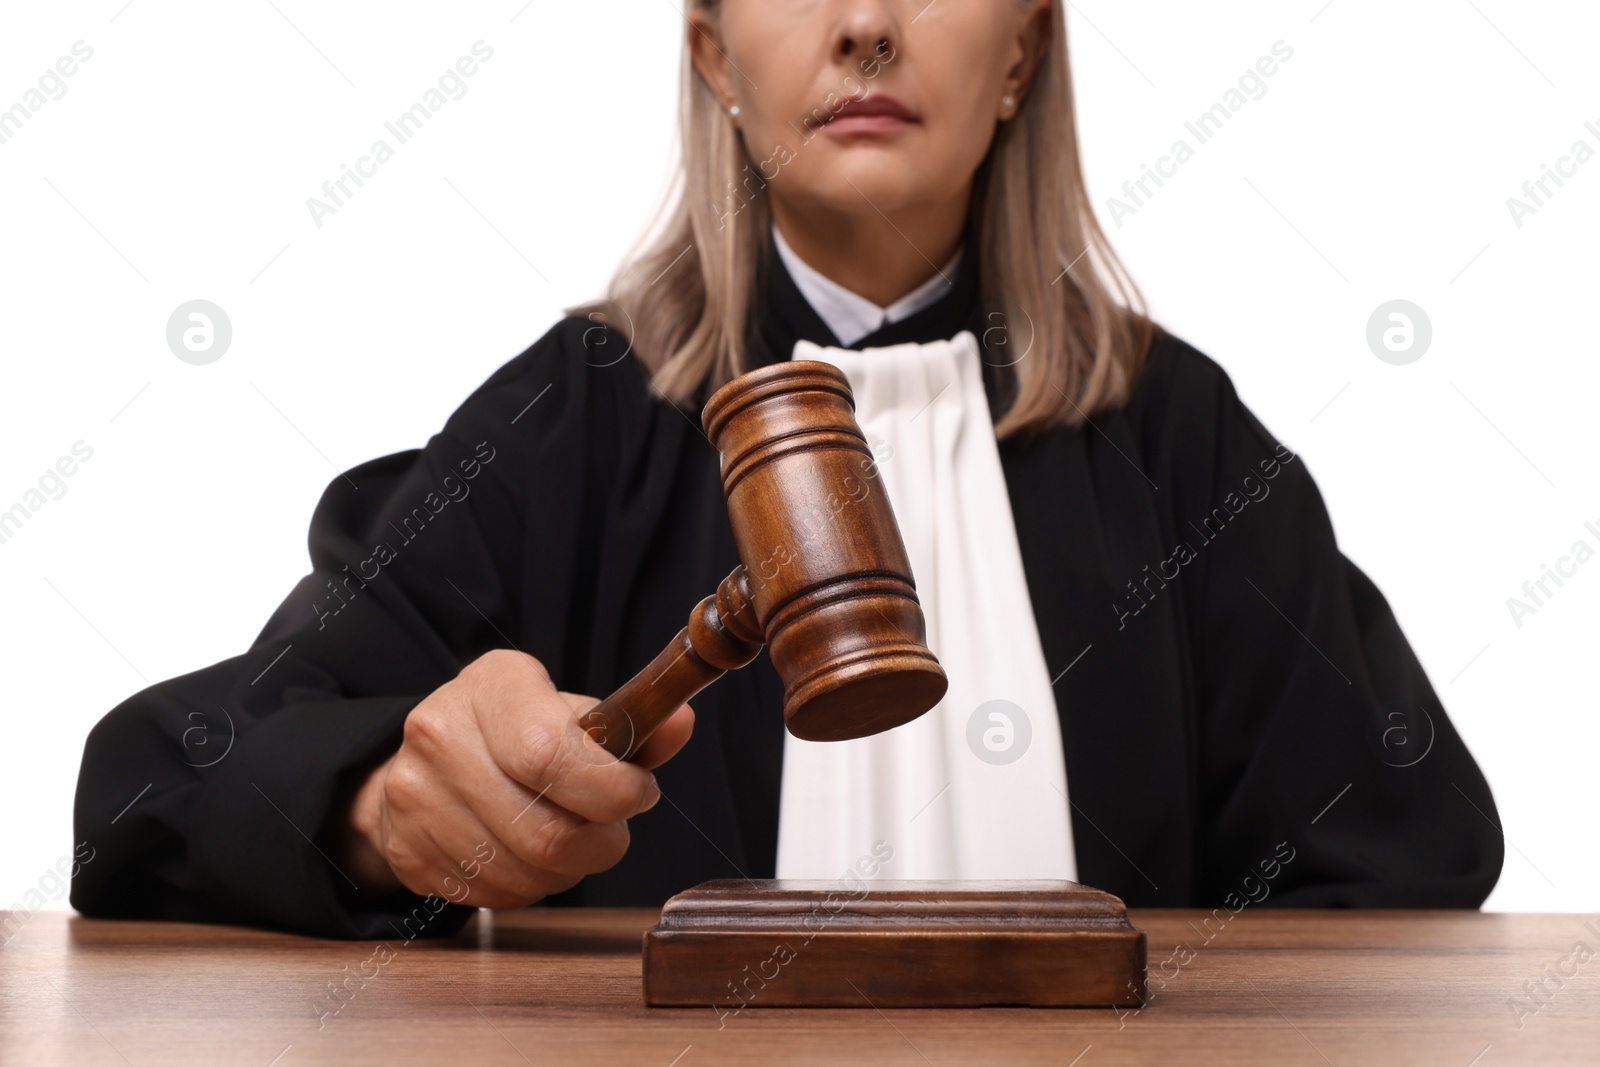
733,944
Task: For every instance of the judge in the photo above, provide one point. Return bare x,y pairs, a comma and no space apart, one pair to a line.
1165,679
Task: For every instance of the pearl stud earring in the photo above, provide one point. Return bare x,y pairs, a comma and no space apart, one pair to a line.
733,112
1008,103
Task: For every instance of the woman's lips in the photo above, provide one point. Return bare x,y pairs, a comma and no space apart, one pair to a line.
870,116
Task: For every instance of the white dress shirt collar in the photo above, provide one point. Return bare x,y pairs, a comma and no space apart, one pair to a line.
850,315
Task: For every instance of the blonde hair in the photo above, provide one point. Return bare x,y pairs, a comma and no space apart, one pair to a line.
1047,270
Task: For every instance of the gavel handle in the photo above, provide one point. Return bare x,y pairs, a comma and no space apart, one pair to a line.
722,635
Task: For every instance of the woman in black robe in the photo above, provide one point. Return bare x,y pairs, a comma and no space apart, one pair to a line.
1240,714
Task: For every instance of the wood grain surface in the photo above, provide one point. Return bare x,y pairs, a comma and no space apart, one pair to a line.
742,943
549,986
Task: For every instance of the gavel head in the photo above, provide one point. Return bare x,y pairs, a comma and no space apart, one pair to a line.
826,571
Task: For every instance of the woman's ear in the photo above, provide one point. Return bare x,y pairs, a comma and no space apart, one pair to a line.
1034,37
710,57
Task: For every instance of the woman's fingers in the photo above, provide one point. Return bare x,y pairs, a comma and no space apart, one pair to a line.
534,737
532,850
490,874
660,746
496,796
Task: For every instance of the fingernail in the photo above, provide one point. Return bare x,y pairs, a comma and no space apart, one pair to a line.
655,794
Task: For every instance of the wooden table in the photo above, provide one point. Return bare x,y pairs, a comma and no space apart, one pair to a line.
563,987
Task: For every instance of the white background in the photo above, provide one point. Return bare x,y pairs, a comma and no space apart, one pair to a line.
178,164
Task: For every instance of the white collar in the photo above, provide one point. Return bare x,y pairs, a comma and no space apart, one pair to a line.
850,315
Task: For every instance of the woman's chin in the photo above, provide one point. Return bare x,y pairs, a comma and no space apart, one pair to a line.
886,175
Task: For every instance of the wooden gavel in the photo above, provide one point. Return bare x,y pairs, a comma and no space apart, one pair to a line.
825,582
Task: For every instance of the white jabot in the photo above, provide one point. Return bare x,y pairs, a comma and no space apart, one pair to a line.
940,791
849,315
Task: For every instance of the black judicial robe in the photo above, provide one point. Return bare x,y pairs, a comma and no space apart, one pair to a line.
1231,689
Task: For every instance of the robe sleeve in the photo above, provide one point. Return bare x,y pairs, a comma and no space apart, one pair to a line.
1329,772
208,797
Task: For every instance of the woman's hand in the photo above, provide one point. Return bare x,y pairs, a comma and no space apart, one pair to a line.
497,797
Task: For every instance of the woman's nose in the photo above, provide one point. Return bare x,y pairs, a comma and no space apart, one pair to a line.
866,29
